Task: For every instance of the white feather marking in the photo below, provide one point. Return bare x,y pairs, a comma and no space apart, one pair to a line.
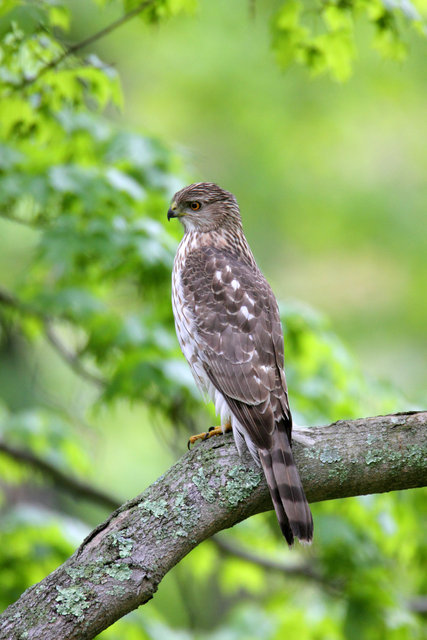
246,313
218,275
264,368
239,429
221,406
235,284
239,432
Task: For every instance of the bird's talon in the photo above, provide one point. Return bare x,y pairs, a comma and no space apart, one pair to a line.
212,431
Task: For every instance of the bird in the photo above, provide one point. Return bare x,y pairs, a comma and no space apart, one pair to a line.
228,326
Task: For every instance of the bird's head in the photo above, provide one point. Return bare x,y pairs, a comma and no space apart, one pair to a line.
205,207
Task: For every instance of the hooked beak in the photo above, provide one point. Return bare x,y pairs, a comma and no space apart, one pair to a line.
173,211
172,214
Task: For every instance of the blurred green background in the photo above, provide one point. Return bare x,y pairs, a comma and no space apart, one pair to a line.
331,180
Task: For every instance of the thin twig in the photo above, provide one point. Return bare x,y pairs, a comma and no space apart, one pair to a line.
70,358
67,483
9,300
298,570
85,43
418,605
31,224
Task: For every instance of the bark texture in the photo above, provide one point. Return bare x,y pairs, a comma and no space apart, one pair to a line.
121,563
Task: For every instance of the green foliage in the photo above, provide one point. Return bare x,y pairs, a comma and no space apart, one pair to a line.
321,35
324,381
87,271
94,195
34,542
47,434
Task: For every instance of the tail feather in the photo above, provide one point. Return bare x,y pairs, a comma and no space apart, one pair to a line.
287,493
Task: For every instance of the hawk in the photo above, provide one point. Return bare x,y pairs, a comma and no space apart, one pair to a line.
228,325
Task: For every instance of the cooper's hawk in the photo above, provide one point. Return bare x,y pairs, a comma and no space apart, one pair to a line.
228,326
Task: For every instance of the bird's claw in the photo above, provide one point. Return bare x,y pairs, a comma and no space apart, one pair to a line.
212,431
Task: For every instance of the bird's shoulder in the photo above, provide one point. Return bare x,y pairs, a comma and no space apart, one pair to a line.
230,297
224,270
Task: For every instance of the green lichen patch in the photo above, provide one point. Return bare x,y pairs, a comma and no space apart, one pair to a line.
119,571
186,515
116,590
123,544
202,483
240,484
93,571
71,602
374,456
40,588
330,455
157,508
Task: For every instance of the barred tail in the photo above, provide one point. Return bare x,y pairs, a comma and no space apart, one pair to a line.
287,494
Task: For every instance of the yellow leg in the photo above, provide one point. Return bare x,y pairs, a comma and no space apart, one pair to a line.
213,431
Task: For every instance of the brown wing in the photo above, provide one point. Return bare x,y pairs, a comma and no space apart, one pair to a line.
241,346
240,337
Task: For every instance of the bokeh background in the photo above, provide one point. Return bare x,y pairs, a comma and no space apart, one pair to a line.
331,180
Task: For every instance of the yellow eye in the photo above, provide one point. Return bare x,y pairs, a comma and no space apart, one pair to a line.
195,205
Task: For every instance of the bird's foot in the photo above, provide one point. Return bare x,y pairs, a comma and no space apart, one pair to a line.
212,431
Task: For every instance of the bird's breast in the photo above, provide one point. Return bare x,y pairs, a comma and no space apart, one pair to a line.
185,324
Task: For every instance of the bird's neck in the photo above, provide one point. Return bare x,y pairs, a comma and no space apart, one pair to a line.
225,239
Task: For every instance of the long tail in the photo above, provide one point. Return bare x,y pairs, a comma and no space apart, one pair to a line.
287,494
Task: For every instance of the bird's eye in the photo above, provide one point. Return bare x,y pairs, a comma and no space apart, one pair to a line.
195,205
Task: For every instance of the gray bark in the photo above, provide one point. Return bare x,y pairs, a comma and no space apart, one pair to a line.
121,563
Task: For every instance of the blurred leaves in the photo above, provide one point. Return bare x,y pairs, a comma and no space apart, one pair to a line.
321,35
324,381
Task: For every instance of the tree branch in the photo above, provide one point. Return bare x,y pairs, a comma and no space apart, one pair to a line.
71,359
121,563
85,43
59,478
7,299
299,570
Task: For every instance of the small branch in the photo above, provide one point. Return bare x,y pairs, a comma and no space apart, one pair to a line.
119,566
418,605
298,570
31,224
85,43
71,358
9,300
59,478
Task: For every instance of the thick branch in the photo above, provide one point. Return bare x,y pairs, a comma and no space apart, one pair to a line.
121,563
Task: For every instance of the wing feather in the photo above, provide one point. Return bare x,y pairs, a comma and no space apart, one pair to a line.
240,338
